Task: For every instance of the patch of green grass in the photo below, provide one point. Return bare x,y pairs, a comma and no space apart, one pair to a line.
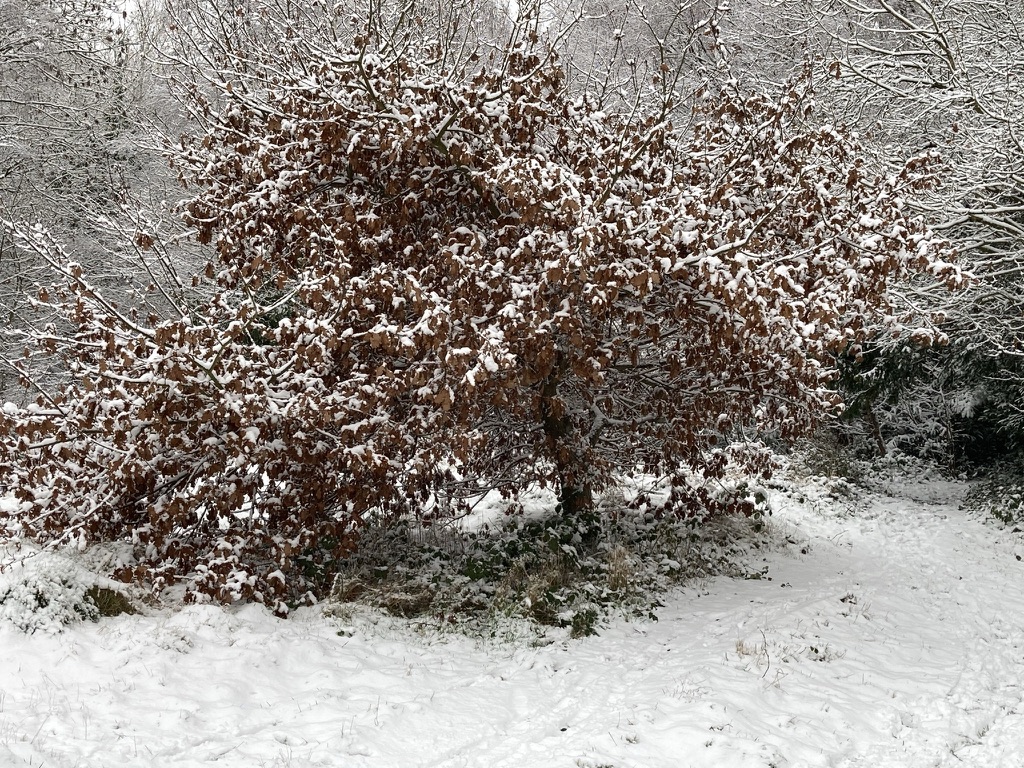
109,602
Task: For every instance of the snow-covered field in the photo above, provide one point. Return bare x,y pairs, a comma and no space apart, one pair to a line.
890,634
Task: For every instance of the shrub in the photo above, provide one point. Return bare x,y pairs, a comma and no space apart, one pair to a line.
1000,493
44,593
437,269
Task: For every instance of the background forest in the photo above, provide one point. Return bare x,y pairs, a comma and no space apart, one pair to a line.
276,275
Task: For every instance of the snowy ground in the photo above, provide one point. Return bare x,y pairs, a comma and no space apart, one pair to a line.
896,638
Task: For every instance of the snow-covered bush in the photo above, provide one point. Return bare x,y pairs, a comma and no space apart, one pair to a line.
44,593
952,403
999,493
437,270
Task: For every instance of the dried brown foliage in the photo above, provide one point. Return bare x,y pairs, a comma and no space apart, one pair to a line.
438,274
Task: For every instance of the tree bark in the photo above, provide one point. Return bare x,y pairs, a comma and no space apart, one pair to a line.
576,496
873,426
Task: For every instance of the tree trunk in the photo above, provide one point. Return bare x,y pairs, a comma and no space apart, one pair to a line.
576,496
873,426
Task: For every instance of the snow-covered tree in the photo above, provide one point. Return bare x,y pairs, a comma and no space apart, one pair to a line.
438,270
947,75
73,113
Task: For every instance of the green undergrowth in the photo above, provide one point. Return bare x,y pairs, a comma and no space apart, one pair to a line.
999,494
538,569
